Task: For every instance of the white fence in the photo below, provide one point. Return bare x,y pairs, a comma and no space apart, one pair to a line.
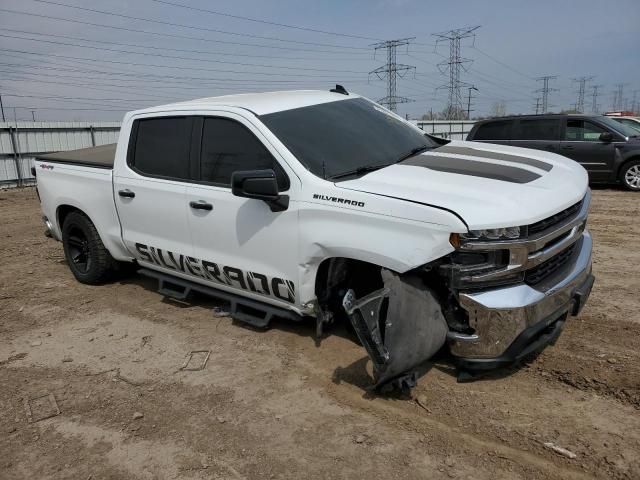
450,129
20,142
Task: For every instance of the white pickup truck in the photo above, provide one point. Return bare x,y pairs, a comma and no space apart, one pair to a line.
324,204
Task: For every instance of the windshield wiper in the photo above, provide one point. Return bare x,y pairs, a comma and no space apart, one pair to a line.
412,152
370,168
357,171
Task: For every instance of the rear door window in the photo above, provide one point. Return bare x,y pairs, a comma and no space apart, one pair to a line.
537,129
498,130
227,147
162,146
583,131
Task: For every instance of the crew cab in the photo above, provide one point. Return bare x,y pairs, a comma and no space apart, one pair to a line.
324,204
606,148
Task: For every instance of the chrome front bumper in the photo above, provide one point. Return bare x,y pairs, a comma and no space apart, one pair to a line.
515,316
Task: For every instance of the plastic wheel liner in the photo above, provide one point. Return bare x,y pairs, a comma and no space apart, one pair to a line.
400,326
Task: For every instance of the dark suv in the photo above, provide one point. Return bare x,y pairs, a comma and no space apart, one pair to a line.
608,150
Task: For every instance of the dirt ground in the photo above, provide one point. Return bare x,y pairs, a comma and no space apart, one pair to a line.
273,404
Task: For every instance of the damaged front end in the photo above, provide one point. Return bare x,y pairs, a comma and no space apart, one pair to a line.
493,301
400,325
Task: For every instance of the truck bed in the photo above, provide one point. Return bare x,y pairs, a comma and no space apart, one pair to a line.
98,157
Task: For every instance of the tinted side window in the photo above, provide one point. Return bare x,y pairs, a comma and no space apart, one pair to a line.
227,147
537,129
580,130
162,147
499,130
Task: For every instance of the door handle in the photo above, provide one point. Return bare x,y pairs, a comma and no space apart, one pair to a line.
201,205
567,147
126,193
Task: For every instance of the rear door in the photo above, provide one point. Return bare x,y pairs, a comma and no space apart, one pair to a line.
581,142
150,191
243,244
537,133
494,131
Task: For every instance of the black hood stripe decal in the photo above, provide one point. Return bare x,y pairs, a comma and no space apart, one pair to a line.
494,156
470,167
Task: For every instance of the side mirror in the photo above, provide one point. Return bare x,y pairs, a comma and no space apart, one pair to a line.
259,185
606,137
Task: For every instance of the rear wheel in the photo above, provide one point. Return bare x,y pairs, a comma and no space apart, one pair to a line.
89,260
630,175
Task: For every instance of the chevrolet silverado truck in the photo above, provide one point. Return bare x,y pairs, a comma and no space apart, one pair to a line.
324,204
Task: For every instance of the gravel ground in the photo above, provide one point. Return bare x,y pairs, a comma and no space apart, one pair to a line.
273,404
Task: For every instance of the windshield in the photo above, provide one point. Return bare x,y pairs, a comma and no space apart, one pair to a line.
618,127
354,135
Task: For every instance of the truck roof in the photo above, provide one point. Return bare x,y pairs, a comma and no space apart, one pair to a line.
258,103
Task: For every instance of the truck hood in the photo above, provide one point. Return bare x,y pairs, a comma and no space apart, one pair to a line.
488,186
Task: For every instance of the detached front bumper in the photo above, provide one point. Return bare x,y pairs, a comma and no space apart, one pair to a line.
512,322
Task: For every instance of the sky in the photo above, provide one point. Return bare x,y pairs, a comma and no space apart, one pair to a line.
95,60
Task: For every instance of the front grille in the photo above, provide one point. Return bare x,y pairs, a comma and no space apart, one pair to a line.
542,271
559,217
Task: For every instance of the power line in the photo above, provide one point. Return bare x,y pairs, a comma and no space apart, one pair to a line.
545,90
183,50
582,82
391,71
176,57
162,77
162,34
193,27
147,82
266,22
453,66
501,63
119,62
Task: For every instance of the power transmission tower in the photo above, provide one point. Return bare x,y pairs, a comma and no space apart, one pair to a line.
538,105
391,71
545,90
594,98
617,97
582,83
634,102
453,66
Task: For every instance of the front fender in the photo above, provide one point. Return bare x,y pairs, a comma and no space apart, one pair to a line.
397,244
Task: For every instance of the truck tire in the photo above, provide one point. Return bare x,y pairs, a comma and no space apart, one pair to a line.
630,175
89,260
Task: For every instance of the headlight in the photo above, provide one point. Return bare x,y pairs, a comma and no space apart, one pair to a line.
470,267
508,233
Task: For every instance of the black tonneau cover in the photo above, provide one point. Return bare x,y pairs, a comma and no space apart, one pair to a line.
99,157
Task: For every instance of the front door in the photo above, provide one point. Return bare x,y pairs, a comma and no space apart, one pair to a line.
241,242
582,143
150,192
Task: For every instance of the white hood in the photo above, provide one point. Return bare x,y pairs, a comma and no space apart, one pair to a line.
489,186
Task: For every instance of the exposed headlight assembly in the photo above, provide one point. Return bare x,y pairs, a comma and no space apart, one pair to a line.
508,233
468,266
